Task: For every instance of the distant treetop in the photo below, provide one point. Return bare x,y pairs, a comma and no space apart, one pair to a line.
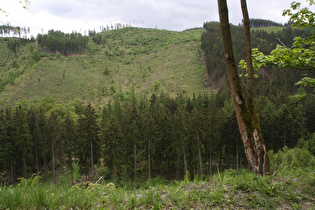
259,23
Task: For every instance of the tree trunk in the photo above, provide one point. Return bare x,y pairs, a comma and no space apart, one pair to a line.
237,157
114,173
92,162
184,154
246,113
210,162
135,159
66,168
24,167
71,168
45,166
12,171
149,161
53,161
36,160
199,154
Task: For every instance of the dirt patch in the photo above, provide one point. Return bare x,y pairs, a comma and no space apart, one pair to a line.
203,57
212,83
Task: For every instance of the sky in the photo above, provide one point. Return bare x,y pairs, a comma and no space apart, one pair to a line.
174,15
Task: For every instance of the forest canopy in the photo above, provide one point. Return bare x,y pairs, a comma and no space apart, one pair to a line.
57,41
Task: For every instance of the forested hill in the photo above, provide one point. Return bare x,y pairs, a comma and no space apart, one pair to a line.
274,87
272,80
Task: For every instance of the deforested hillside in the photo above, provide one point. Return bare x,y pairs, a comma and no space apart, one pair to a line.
152,60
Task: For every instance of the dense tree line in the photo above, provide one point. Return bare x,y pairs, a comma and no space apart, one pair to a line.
271,79
259,23
14,44
14,31
57,41
137,138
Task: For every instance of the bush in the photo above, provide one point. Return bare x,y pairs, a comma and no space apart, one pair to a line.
287,158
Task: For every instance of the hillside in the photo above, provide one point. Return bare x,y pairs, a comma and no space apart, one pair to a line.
151,59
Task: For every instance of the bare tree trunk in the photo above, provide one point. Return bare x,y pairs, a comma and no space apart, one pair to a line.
199,154
92,161
12,171
259,145
246,114
66,168
184,154
149,160
36,160
210,161
237,156
24,167
45,166
53,161
135,159
177,174
114,173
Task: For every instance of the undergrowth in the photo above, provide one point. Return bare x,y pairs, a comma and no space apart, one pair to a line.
230,189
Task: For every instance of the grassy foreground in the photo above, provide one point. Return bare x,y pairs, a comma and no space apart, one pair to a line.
241,189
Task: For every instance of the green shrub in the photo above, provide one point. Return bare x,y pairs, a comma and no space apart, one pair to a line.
287,158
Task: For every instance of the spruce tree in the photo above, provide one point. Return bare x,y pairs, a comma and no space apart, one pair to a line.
113,147
88,147
23,140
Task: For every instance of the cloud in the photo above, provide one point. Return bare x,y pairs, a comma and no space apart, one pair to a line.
68,15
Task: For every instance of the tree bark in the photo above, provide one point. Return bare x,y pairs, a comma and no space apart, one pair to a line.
246,113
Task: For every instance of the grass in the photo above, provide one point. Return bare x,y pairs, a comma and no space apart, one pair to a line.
293,189
127,56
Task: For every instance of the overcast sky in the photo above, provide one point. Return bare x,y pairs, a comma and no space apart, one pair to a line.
176,15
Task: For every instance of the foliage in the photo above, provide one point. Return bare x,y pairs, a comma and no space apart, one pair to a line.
303,17
287,158
229,189
302,53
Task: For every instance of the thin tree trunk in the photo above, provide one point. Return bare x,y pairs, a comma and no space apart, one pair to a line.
149,160
210,162
24,167
71,168
237,156
199,155
36,160
177,174
114,172
247,118
45,166
161,167
12,171
135,163
92,162
184,154
66,168
53,161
